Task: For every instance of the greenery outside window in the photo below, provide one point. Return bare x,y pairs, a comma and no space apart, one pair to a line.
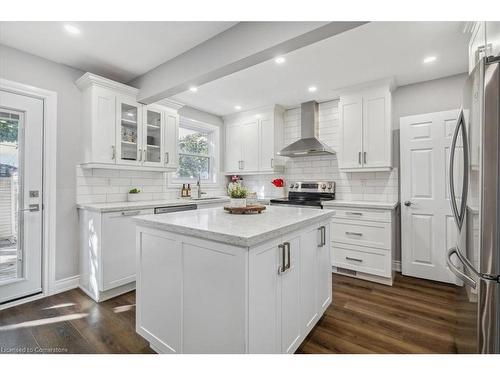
197,152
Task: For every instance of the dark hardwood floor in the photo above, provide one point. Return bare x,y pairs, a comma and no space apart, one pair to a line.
413,316
71,322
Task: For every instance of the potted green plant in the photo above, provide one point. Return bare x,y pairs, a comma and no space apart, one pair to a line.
238,195
134,195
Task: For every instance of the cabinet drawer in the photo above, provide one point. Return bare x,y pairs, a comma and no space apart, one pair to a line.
363,233
362,259
362,214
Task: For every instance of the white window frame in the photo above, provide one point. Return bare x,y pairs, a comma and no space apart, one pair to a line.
214,143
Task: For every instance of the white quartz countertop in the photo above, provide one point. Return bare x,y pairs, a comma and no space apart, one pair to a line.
120,206
247,230
361,204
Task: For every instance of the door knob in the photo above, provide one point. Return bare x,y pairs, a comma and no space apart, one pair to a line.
408,203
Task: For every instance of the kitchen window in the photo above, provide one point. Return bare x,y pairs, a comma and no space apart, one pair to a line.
197,145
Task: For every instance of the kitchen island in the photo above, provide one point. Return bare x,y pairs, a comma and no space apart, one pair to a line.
212,282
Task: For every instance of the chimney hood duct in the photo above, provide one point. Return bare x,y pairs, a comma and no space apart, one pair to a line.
308,144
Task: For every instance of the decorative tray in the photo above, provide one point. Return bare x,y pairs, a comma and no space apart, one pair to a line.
250,209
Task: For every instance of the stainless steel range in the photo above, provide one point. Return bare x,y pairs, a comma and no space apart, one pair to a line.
310,194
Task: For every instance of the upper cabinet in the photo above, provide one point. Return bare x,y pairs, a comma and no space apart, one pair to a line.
484,41
121,133
366,130
252,140
493,37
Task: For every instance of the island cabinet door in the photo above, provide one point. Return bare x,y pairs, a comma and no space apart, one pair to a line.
310,241
324,269
264,288
290,297
159,290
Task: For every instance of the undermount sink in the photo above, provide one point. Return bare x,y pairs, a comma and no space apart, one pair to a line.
205,198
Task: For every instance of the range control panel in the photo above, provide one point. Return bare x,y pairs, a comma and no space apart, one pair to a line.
313,187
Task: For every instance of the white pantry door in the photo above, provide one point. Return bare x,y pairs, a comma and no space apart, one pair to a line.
21,138
427,226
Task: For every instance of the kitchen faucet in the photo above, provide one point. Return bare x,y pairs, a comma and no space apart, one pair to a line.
198,185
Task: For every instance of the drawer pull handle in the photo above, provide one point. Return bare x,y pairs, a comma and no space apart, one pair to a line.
354,233
354,259
354,213
130,213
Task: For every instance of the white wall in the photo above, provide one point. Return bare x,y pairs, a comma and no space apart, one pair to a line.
32,70
425,97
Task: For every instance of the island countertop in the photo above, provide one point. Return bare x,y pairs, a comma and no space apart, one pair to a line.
247,230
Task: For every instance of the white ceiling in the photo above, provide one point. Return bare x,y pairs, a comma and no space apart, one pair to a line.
117,50
371,52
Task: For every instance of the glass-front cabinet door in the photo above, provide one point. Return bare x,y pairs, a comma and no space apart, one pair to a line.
129,150
153,139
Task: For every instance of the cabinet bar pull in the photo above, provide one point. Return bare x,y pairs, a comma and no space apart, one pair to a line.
359,157
354,259
243,164
287,246
272,162
113,152
322,232
364,157
140,155
166,158
145,155
354,213
354,233
282,268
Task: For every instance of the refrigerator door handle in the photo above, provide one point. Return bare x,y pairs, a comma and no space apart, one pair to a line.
462,276
459,215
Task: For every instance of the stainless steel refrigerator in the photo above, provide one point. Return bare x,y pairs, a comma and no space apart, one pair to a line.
474,174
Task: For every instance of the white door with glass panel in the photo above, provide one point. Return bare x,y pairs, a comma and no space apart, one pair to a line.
427,225
21,137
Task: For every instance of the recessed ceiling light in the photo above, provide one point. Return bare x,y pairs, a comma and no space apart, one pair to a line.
72,29
237,107
193,89
429,59
279,60
312,89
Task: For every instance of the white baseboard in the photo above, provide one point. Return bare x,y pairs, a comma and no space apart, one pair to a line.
66,284
396,265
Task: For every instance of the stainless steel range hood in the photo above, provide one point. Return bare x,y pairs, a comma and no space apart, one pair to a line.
308,144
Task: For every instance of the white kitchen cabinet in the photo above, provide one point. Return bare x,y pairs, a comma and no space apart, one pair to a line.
249,136
484,41
153,131
291,331
351,117
252,140
478,47
171,156
363,243
120,133
261,310
366,130
285,306
107,252
129,132
493,37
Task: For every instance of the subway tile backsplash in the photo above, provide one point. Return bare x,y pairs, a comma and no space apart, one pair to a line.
367,186
109,185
